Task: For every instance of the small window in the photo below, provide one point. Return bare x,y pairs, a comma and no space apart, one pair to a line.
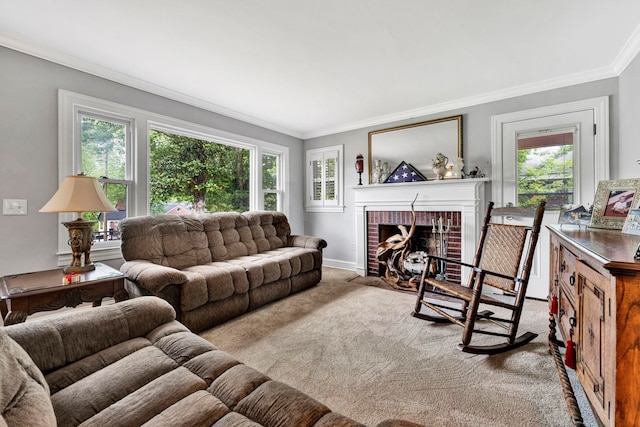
545,170
271,188
324,176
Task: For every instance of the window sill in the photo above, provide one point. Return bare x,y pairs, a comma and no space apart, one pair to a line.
104,254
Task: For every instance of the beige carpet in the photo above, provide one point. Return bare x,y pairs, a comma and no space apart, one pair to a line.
358,350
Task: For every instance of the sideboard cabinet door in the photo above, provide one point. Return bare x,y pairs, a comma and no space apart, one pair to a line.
592,352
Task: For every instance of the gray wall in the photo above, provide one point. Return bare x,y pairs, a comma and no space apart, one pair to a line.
29,149
629,149
339,228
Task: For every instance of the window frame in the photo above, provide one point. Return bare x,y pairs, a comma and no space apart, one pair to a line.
70,162
278,191
129,123
323,205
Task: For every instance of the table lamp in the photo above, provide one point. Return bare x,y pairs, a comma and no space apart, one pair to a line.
79,193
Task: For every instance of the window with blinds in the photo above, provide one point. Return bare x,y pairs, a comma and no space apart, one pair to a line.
324,172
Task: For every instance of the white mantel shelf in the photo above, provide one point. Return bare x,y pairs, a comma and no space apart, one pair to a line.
467,196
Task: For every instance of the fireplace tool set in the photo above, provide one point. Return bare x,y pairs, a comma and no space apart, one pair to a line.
441,237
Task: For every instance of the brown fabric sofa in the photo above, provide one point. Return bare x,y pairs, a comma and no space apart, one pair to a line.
132,364
214,267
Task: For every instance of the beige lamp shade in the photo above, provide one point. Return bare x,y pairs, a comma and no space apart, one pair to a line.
79,193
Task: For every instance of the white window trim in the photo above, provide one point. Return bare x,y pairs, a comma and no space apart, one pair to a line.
142,121
336,207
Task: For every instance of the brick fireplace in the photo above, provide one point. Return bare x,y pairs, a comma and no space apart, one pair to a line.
461,200
383,224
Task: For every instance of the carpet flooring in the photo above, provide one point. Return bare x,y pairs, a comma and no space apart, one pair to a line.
358,350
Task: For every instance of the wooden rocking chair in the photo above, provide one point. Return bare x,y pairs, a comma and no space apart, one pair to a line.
502,263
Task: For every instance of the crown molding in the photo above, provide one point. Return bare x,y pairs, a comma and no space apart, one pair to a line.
528,89
125,79
628,52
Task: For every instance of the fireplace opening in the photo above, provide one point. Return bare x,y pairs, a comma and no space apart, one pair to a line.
420,244
419,241
383,225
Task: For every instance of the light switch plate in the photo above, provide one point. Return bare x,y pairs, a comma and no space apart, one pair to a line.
14,207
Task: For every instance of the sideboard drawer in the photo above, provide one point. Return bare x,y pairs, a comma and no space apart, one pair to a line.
566,311
567,266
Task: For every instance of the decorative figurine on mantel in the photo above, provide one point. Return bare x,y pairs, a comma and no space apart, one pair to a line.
439,165
380,171
475,173
377,172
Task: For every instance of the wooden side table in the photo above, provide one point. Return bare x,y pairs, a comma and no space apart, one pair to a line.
28,293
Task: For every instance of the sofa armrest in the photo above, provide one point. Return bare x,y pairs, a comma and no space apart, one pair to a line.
152,277
307,242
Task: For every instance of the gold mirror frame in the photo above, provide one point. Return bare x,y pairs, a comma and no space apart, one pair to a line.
417,144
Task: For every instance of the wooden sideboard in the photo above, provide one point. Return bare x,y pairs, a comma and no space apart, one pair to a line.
596,281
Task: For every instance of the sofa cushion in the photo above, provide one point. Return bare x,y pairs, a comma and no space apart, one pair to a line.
228,235
147,401
176,241
236,383
220,281
269,230
276,404
73,372
270,266
197,409
94,393
24,393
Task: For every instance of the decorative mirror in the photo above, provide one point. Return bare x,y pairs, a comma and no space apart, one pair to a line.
416,144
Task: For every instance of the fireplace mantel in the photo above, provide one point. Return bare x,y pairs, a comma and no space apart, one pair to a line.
466,196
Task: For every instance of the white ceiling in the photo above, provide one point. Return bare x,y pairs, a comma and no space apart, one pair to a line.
314,67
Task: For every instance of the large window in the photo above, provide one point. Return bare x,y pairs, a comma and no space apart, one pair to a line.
324,179
149,164
195,175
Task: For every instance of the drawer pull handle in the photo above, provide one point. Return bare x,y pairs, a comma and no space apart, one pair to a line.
563,267
572,321
572,279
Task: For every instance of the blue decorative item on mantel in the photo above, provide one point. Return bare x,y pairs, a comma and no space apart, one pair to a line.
405,172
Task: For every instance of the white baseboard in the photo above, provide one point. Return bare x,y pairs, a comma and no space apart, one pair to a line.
337,263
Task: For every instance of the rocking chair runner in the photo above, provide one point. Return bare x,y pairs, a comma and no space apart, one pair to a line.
503,261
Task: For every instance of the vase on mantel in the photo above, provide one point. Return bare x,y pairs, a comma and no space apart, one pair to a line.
439,165
440,171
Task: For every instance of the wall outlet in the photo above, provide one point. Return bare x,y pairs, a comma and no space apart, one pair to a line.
14,207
